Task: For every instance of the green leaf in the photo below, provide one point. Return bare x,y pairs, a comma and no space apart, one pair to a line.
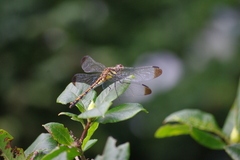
73,117
230,121
90,132
104,100
59,133
96,112
169,130
44,142
121,112
207,139
112,92
195,118
62,152
89,144
238,108
6,151
71,92
233,151
37,155
232,124
111,152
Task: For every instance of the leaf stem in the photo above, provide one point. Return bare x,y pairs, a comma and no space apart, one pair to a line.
82,137
84,132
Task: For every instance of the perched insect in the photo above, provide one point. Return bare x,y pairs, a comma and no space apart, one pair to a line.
107,75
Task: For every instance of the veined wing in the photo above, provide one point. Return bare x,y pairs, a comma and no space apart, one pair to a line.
85,78
135,88
140,73
89,65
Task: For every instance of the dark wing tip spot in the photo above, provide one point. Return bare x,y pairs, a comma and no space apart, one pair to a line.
147,90
84,59
157,71
74,80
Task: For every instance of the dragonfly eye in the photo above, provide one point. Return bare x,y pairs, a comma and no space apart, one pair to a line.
119,65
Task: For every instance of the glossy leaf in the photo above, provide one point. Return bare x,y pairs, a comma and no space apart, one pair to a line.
233,151
44,142
111,152
6,151
59,133
195,118
112,92
104,100
90,132
121,112
71,92
169,130
207,139
62,152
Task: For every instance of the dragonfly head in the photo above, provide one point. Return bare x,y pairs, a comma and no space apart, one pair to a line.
119,65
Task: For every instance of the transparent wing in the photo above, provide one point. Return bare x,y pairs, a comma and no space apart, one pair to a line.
140,73
85,78
89,65
135,88
107,83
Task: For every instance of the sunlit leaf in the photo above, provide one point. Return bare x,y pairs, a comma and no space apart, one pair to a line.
112,92
195,118
71,92
233,151
121,112
169,130
96,112
104,100
111,152
59,133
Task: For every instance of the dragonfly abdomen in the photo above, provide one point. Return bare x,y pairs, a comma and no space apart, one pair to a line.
98,82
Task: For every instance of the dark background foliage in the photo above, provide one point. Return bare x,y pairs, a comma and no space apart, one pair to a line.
196,43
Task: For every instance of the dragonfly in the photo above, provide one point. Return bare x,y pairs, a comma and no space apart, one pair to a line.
102,75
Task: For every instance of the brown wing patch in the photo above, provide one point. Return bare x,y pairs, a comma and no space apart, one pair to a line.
147,90
74,79
157,71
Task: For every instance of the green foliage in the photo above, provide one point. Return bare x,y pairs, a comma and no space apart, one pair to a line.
6,151
121,112
202,127
43,144
87,142
62,152
60,143
59,133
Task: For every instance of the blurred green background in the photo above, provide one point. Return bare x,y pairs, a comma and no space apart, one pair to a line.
196,43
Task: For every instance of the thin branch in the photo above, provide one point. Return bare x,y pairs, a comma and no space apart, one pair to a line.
82,137
84,132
